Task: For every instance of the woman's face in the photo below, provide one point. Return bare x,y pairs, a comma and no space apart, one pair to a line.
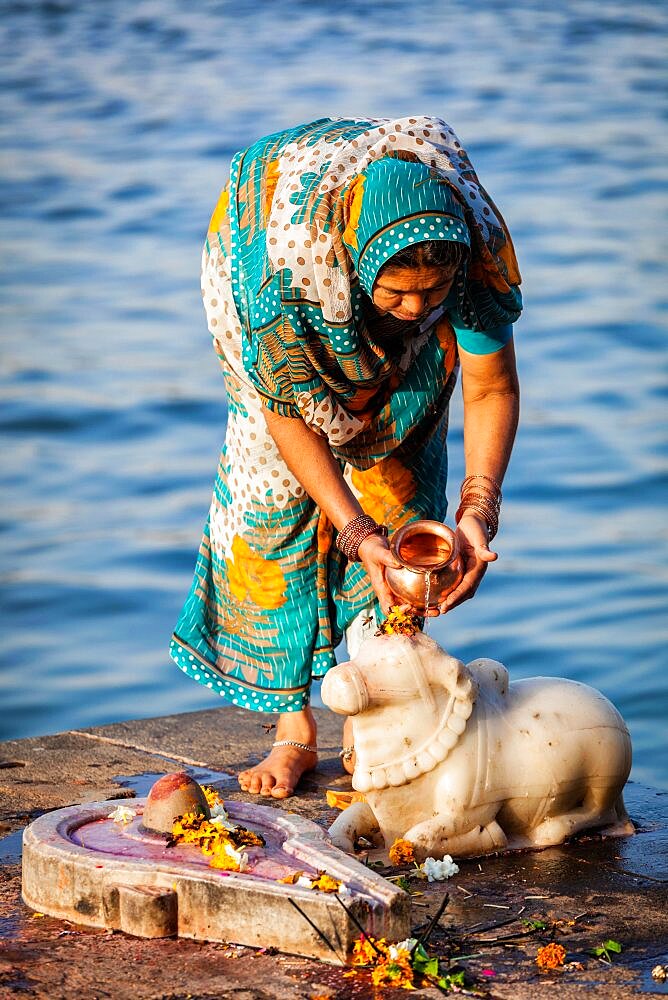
411,293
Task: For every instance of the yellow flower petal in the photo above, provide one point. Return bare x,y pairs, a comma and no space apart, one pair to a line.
341,800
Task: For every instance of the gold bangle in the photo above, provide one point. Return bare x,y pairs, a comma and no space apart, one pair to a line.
490,517
488,479
483,498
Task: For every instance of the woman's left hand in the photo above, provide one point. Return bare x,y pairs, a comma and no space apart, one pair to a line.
476,554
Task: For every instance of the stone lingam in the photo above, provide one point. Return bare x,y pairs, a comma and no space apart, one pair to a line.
458,761
121,867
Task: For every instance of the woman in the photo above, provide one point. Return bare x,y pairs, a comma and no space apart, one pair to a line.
350,268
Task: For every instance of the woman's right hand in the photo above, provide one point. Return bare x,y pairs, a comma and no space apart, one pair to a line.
310,459
374,553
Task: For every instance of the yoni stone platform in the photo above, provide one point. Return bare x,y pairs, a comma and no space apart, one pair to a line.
80,865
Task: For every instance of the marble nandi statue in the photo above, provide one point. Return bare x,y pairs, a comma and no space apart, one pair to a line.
458,761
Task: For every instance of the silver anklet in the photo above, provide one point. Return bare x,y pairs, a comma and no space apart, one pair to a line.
346,753
295,743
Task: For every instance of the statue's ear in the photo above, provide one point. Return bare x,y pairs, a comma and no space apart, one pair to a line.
455,678
463,689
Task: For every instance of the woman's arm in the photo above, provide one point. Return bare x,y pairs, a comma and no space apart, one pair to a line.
491,392
309,458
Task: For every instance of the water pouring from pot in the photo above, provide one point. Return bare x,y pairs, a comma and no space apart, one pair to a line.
431,564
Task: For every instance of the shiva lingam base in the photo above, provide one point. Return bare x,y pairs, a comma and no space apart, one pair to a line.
80,865
458,761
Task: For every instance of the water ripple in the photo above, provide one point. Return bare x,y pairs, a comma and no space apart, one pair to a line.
118,134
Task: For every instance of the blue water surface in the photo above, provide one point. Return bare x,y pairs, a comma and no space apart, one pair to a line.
120,121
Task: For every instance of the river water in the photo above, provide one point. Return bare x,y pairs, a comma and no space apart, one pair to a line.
120,121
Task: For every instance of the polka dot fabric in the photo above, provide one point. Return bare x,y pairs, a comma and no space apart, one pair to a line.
297,238
271,595
307,221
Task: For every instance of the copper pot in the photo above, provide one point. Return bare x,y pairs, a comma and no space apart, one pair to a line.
430,564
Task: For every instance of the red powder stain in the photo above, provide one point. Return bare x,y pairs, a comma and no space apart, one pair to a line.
167,785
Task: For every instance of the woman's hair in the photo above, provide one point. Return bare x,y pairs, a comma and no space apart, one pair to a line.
430,253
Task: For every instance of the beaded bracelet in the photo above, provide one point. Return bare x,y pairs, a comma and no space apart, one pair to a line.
353,534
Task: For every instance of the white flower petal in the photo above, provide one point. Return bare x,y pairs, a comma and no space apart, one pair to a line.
437,871
222,822
122,814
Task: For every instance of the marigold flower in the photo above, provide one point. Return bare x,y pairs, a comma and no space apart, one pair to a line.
399,623
551,956
290,879
216,839
367,949
341,800
213,799
325,883
396,972
390,964
402,852
229,859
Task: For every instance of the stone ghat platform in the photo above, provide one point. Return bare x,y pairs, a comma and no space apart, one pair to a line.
583,893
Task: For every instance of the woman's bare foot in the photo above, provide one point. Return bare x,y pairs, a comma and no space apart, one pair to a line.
348,760
277,775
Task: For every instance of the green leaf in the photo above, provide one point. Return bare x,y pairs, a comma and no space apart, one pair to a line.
603,950
428,968
535,925
451,979
403,883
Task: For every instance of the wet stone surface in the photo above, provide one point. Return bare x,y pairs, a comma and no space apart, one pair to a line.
500,909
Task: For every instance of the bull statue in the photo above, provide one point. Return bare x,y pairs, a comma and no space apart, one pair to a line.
458,761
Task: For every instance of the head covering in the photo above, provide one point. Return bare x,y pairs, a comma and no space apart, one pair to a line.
395,204
314,212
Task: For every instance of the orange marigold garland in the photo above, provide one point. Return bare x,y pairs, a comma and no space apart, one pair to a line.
341,800
290,879
366,949
396,972
325,883
321,883
390,964
401,852
551,956
217,838
406,965
400,622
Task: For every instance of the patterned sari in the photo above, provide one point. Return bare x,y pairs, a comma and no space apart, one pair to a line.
295,243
